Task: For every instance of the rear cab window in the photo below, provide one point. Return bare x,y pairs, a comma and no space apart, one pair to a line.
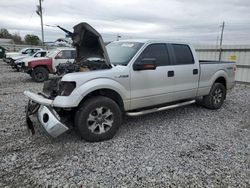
182,54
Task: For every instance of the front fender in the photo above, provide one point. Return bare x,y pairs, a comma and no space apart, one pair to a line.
79,93
45,63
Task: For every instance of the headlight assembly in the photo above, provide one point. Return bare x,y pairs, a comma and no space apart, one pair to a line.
66,88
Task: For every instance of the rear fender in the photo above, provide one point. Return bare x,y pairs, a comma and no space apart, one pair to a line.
205,88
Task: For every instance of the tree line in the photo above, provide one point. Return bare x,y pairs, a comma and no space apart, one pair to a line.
29,39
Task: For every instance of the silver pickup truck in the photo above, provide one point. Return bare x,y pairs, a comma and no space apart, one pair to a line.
132,77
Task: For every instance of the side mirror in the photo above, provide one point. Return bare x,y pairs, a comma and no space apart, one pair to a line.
145,64
24,53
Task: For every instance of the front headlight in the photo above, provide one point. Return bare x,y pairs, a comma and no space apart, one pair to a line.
66,88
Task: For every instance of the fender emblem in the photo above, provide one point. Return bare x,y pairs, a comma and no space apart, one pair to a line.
122,76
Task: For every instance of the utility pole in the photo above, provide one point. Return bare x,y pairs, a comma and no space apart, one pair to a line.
39,11
221,38
118,37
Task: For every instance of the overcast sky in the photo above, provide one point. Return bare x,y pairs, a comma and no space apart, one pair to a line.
184,20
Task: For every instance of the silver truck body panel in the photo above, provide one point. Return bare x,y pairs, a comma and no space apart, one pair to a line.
139,89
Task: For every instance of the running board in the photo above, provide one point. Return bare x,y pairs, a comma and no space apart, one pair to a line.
159,109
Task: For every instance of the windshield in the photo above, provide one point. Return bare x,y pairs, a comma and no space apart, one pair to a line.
22,50
120,53
51,53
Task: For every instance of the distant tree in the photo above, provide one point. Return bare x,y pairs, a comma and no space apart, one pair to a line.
17,38
32,39
4,33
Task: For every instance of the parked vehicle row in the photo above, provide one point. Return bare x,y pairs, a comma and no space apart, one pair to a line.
16,62
22,53
39,63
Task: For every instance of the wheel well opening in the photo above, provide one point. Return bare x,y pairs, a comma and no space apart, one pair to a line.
106,93
43,66
221,80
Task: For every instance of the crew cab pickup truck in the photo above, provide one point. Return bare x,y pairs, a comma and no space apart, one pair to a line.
40,68
9,56
132,77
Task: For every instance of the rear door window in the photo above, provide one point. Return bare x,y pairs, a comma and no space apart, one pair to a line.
43,54
73,54
66,54
158,52
183,54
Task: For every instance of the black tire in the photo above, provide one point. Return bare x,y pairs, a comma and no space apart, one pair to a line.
215,98
12,64
96,115
40,74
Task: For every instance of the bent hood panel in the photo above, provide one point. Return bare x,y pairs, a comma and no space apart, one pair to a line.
39,58
89,43
20,57
12,54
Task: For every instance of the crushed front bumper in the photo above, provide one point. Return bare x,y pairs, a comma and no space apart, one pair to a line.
47,116
50,121
7,60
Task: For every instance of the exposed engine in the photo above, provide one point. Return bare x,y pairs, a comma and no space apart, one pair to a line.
81,66
91,55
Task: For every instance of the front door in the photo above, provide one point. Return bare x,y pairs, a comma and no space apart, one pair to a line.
152,87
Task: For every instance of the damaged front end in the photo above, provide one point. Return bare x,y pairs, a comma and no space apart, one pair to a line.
91,55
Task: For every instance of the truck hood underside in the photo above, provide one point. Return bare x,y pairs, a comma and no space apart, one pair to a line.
91,55
91,52
89,43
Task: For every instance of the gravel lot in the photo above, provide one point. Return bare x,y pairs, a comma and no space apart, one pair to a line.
185,147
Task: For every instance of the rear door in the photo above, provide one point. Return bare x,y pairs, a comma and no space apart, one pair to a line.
152,87
186,72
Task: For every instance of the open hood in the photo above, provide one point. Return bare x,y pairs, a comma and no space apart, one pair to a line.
89,44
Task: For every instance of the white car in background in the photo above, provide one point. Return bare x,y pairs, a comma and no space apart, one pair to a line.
18,61
40,68
24,52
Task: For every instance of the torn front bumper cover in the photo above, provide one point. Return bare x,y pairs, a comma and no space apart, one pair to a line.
47,116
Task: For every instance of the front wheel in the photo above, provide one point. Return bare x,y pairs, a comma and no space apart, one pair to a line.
40,74
98,119
216,97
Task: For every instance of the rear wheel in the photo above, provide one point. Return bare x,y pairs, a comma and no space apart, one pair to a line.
98,119
216,97
40,74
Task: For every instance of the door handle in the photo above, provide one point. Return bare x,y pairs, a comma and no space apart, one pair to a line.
195,71
170,73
